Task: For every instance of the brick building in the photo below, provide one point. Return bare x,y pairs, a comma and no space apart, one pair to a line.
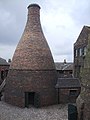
83,101
68,90
4,67
64,69
80,47
32,75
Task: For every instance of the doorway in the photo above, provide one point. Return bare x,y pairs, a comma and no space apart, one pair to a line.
29,98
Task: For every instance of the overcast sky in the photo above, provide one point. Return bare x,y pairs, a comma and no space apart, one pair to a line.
62,21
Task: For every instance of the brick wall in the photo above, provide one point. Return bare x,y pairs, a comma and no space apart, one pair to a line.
80,43
21,81
65,95
5,69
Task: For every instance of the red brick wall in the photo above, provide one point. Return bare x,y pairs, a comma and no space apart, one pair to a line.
65,97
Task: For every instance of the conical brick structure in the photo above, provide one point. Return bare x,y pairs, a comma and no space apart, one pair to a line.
32,75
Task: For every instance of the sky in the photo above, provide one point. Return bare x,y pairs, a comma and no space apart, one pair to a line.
61,20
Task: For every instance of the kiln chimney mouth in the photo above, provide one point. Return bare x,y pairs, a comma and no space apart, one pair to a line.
33,5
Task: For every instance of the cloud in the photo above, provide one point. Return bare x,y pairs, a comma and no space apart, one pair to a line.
61,21
6,51
80,12
9,26
65,20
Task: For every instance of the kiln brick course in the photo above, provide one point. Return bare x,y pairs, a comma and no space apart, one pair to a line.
32,76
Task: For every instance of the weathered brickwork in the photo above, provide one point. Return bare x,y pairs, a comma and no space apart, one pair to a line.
66,97
32,70
68,90
80,47
41,82
83,101
32,51
3,72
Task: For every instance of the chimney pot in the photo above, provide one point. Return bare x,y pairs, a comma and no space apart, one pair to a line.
64,61
33,5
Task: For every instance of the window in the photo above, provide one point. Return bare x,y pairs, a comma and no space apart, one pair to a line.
80,51
6,72
76,53
85,50
2,75
73,92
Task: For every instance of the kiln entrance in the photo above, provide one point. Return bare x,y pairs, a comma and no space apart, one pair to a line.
29,98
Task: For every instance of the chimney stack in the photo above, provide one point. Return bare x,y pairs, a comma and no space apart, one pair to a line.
65,61
32,76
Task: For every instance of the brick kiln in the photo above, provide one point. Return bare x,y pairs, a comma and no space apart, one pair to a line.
32,76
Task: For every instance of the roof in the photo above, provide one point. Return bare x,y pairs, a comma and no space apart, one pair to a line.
83,36
88,27
3,61
68,83
64,66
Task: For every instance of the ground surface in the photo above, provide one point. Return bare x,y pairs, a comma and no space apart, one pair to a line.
55,112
